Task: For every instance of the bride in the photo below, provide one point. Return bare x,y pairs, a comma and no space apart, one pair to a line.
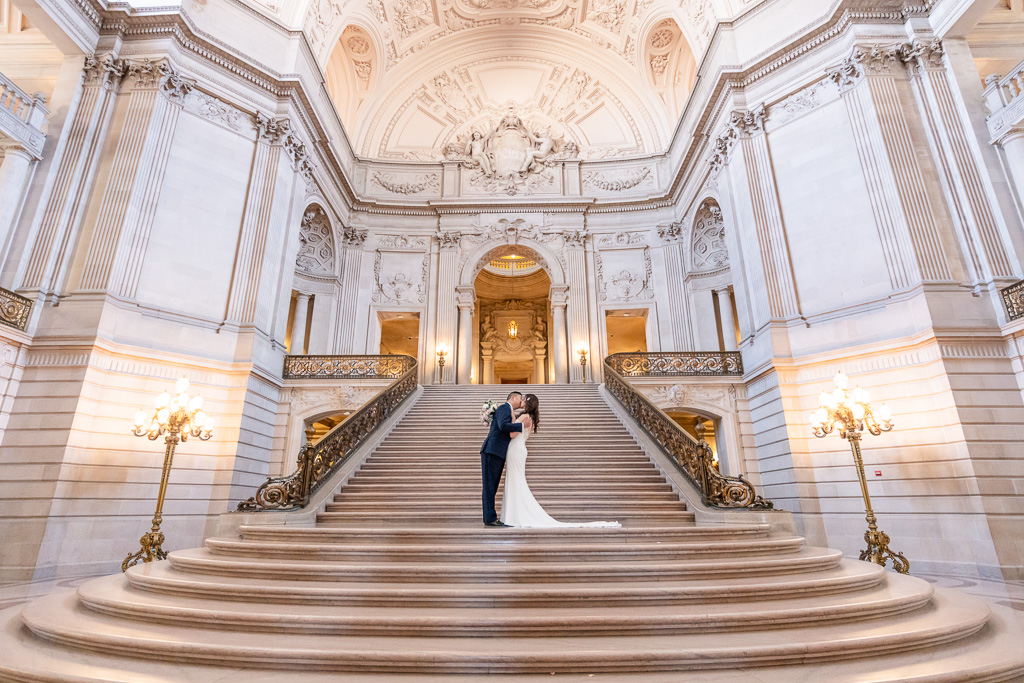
518,506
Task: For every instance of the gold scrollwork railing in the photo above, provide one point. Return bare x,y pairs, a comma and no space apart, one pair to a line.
1013,299
346,367
691,457
317,462
684,363
14,309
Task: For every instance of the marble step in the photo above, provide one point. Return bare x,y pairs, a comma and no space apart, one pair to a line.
947,618
358,486
113,595
596,505
411,517
502,550
807,559
848,576
545,495
576,480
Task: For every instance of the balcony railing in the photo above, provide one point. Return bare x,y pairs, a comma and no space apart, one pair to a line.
317,462
22,116
1004,97
681,364
346,367
14,309
694,459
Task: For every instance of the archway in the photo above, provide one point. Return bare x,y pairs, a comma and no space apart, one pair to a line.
512,315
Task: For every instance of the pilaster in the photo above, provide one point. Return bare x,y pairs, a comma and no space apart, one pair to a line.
674,276
447,280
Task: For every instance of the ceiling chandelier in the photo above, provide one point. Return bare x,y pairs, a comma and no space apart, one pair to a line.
513,329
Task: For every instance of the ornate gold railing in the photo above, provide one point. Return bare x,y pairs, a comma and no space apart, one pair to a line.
681,364
692,458
346,367
1013,299
14,309
317,462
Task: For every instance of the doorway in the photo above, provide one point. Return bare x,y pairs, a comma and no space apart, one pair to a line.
626,330
399,333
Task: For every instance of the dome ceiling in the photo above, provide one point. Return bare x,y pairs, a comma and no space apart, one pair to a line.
412,78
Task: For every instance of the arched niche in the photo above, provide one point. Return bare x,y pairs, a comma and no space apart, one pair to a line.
669,64
351,73
485,253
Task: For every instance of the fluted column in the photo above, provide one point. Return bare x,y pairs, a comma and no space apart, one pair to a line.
728,320
71,176
974,205
559,334
682,333
14,173
577,313
298,346
466,297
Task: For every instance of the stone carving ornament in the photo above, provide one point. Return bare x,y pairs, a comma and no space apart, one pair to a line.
316,244
708,245
505,157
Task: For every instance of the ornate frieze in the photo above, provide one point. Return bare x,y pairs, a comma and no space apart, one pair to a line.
419,184
671,233
403,242
216,111
353,238
741,124
622,239
619,181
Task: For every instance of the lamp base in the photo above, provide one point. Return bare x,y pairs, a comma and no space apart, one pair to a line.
878,551
152,549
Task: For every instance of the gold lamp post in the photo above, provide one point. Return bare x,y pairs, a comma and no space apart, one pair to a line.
852,413
582,351
175,419
442,351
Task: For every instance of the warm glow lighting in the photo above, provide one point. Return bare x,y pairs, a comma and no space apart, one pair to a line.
442,350
513,329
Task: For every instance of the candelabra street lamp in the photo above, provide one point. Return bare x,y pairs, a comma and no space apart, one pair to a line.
442,351
582,351
851,412
175,419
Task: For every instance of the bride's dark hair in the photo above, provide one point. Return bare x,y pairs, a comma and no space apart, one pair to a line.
531,405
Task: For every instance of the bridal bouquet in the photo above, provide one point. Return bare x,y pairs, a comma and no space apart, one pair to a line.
487,412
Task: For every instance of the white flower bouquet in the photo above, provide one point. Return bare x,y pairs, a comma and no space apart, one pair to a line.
487,412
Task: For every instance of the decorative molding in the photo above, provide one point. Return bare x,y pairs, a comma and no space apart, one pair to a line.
354,239
426,182
403,242
624,285
617,181
707,247
621,239
316,244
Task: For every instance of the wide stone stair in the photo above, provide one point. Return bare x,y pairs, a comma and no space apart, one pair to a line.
399,580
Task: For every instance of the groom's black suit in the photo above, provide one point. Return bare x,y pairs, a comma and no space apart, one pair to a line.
492,456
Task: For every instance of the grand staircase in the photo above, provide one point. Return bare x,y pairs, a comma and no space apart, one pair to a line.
399,580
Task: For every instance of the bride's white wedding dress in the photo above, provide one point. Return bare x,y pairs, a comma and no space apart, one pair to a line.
518,506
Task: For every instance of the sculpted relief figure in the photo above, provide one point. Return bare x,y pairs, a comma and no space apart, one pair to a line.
544,146
476,149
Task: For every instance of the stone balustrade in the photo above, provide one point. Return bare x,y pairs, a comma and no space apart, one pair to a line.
22,117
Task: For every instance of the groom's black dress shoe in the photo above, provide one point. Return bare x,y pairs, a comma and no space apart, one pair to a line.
496,523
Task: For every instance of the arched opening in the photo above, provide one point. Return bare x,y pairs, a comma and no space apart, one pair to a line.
316,287
513,319
709,281
351,74
698,426
670,65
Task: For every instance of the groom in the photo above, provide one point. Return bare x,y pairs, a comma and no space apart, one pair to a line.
492,453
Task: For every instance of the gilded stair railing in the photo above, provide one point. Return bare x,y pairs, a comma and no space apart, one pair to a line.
667,364
346,367
317,462
691,457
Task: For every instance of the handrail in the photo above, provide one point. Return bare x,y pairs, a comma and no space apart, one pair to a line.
691,457
14,309
22,116
1004,97
317,462
677,363
346,367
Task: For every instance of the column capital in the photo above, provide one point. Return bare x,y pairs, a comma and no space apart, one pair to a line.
465,296
559,296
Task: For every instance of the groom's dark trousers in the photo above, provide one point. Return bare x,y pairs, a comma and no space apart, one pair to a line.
492,456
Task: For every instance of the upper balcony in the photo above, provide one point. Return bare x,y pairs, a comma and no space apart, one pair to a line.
21,117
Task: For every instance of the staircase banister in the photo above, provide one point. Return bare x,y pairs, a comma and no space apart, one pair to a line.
364,366
691,457
677,363
317,462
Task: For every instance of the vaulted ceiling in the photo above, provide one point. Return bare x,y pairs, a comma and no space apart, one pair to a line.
412,77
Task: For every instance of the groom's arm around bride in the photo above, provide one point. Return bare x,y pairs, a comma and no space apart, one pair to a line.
493,451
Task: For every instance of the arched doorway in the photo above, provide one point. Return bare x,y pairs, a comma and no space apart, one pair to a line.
512,325
513,318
